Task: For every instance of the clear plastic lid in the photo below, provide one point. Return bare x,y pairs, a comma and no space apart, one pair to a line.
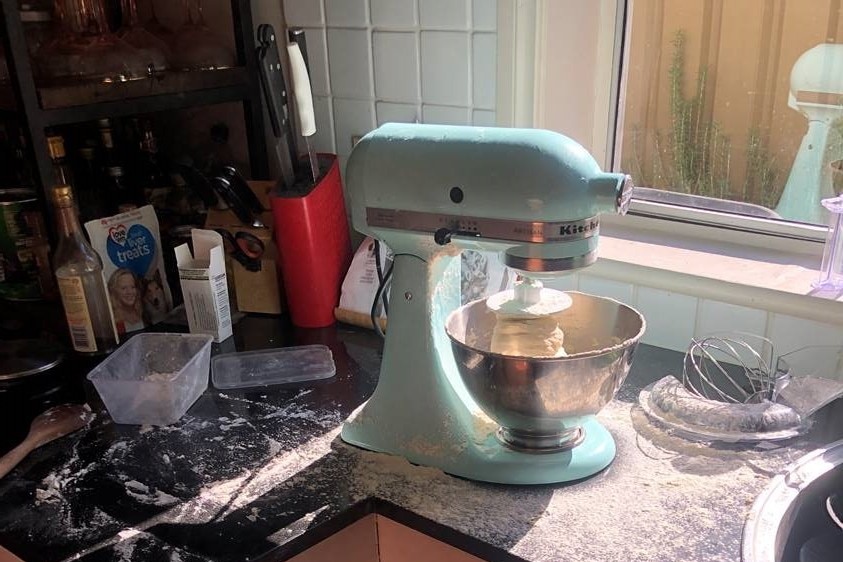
266,367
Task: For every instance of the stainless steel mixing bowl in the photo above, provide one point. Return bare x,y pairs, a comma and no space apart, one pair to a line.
538,402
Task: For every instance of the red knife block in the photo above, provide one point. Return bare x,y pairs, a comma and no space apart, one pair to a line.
314,246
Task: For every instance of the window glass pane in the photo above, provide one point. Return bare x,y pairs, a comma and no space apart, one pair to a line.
739,101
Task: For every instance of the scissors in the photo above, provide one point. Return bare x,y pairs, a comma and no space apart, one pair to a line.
246,248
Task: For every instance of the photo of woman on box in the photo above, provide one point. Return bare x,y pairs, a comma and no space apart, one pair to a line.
124,290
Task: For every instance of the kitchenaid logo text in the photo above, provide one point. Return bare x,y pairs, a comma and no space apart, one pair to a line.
574,229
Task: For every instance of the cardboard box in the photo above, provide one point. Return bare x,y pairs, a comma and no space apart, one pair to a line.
254,291
204,285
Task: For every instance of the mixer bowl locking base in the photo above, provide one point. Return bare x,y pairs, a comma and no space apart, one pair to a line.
530,442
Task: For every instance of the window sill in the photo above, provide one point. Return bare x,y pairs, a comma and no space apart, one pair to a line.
770,279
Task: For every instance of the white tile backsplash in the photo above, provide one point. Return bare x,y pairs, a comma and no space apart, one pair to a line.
349,62
445,115
484,15
398,61
396,113
483,118
351,118
323,140
789,333
670,317
618,290
347,12
394,13
444,14
303,13
483,69
444,67
317,54
717,316
395,58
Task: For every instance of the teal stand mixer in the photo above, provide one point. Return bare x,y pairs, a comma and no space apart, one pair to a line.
446,397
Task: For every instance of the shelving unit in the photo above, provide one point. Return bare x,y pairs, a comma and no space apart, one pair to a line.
41,108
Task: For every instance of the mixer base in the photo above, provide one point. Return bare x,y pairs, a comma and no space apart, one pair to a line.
491,460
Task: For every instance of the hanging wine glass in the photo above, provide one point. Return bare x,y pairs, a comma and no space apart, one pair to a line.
84,48
133,33
196,46
158,29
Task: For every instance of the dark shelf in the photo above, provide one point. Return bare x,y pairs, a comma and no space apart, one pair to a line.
39,108
7,99
173,90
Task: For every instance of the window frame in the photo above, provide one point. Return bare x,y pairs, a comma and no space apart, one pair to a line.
606,82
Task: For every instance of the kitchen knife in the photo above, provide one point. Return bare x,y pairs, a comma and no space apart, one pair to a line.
277,103
240,208
242,189
296,35
304,103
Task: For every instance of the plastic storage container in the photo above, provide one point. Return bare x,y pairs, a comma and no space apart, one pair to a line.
266,367
154,378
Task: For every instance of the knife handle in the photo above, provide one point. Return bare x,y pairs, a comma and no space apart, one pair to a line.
301,91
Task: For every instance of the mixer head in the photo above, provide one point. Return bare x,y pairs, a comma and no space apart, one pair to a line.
534,195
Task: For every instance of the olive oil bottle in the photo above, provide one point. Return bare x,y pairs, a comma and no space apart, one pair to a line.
79,273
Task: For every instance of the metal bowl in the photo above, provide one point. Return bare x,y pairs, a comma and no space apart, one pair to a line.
538,402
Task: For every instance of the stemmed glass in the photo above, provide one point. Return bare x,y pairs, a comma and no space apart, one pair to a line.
133,33
196,46
83,47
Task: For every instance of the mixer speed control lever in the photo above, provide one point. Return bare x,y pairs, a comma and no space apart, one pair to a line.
443,235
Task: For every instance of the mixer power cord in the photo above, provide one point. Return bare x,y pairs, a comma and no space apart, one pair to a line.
380,295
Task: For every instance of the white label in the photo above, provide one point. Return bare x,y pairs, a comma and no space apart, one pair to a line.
76,311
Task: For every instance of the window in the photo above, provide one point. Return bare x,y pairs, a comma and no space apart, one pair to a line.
705,116
735,107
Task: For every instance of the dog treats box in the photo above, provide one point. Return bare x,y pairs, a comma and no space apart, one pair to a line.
130,247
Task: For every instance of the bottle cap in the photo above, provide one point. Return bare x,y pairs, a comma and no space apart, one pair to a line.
62,196
55,147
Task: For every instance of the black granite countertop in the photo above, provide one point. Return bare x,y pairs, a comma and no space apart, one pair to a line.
260,475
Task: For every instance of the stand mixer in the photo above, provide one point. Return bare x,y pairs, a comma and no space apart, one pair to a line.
444,399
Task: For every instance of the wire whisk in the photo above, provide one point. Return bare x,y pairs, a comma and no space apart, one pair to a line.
727,368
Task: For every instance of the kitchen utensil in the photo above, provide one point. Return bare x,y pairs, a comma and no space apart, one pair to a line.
154,377
429,192
297,35
304,103
198,182
546,407
740,401
245,247
731,367
314,246
266,367
49,426
277,103
225,188
241,188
